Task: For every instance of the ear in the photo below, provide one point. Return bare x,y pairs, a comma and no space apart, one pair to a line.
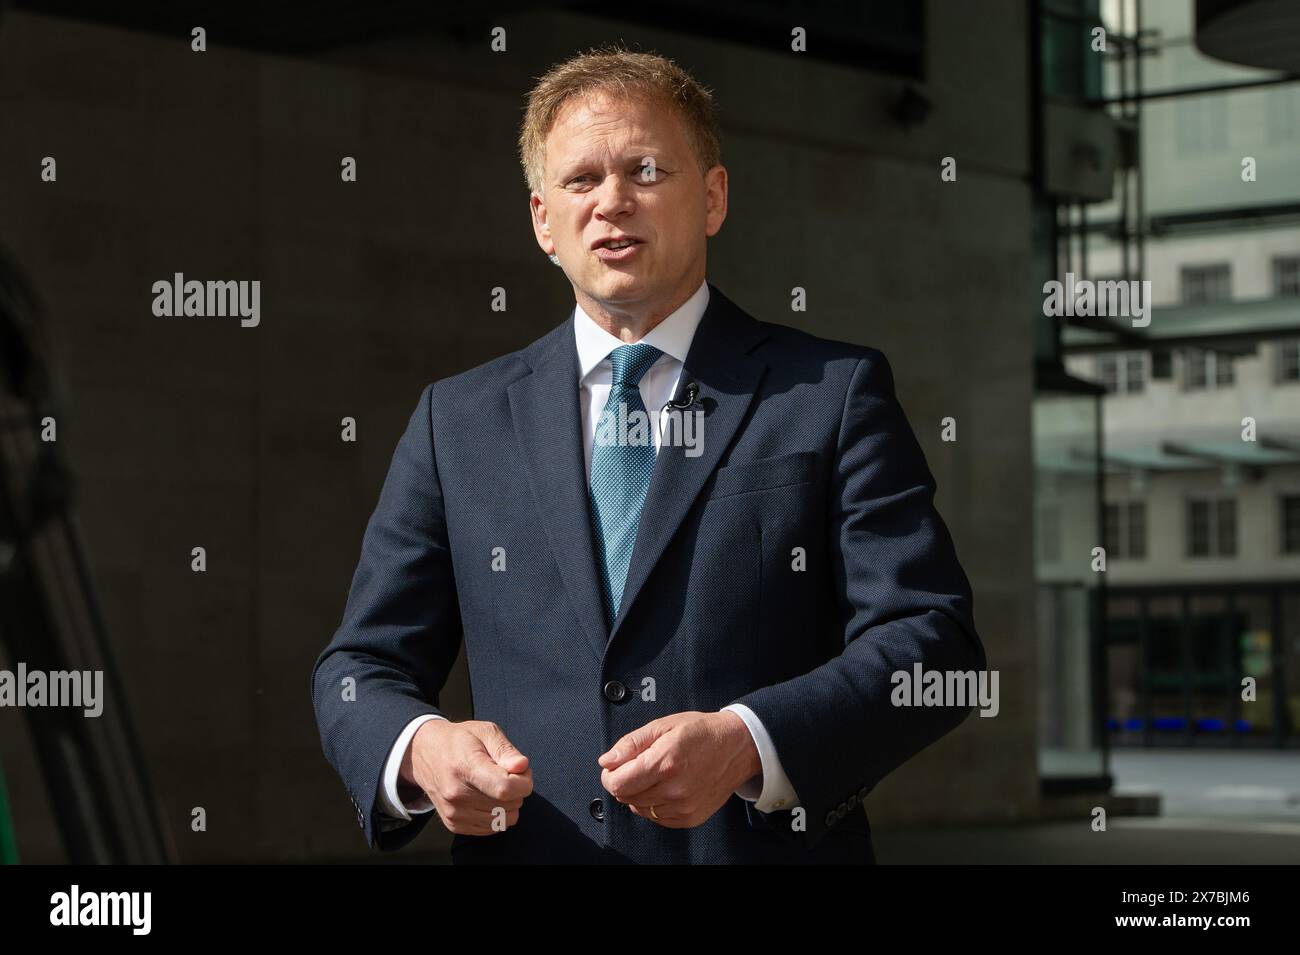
715,198
541,228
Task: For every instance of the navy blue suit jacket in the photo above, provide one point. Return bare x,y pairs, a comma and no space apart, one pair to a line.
804,446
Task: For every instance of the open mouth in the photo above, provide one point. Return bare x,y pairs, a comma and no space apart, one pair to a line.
616,250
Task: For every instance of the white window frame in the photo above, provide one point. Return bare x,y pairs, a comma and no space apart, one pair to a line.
1290,288
1203,268
1118,548
1287,353
1215,534
1122,379
1282,497
1212,361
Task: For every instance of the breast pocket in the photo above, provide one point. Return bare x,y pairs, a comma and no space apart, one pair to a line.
764,474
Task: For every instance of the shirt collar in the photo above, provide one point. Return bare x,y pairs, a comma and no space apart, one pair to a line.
672,336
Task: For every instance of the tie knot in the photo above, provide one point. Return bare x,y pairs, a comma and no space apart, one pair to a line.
630,362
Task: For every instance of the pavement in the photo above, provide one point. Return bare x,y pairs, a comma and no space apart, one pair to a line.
1217,807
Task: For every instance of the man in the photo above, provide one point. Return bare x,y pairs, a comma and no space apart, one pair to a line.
680,638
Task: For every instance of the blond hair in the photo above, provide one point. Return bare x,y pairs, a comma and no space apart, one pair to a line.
625,75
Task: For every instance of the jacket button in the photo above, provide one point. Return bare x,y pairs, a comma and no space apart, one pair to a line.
615,691
597,809
831,818
862,793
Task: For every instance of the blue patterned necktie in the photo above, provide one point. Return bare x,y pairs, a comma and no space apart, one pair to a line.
622,461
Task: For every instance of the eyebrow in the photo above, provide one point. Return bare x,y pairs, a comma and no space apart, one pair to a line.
632,155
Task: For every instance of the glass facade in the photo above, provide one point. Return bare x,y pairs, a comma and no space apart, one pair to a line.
1067,438
1201,606
1203,667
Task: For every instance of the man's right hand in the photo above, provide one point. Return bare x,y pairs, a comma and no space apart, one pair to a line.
468,770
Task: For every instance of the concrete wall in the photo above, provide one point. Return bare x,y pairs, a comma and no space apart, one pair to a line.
200,432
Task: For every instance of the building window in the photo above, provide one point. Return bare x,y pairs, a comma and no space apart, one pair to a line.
1206,369
1288,361
1226,528
1291,524
1223,374
1286,276
1283,111
1202,125
1122,372
1137,530
1206,283
1108,373
1135,372
1126,530
1212,527
1049,533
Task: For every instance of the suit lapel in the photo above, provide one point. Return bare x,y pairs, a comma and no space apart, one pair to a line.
544,408
547,419
728,377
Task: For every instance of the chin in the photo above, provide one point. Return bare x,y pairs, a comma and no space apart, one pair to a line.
628,287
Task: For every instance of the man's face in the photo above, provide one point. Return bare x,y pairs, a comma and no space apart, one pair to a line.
625,167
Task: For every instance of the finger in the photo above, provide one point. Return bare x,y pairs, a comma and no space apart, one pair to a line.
476,822
465,798
482,773
662,815
500,748
631,745
634,777
657,794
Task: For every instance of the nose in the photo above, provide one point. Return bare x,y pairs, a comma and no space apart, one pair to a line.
616,196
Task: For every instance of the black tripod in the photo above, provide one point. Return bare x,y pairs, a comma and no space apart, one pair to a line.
50,618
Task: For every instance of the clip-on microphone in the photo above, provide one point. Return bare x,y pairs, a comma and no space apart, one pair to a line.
692,393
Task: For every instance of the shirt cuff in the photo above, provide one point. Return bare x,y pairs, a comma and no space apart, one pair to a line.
771,789
390,801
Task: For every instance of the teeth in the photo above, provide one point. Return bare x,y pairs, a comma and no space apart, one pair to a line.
618,244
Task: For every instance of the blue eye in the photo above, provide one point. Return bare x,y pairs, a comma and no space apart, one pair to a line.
656,175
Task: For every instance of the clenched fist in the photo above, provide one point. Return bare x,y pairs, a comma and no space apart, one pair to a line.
472,774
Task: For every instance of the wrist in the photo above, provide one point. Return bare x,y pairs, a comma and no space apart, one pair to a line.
406,770
747,761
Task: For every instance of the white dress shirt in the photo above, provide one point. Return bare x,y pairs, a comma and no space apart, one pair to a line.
769,790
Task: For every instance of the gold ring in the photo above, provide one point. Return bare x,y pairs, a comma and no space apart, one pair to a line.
653,813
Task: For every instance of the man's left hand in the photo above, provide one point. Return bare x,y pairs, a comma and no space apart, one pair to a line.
685,765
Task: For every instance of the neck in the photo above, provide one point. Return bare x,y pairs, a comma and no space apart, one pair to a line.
632,324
